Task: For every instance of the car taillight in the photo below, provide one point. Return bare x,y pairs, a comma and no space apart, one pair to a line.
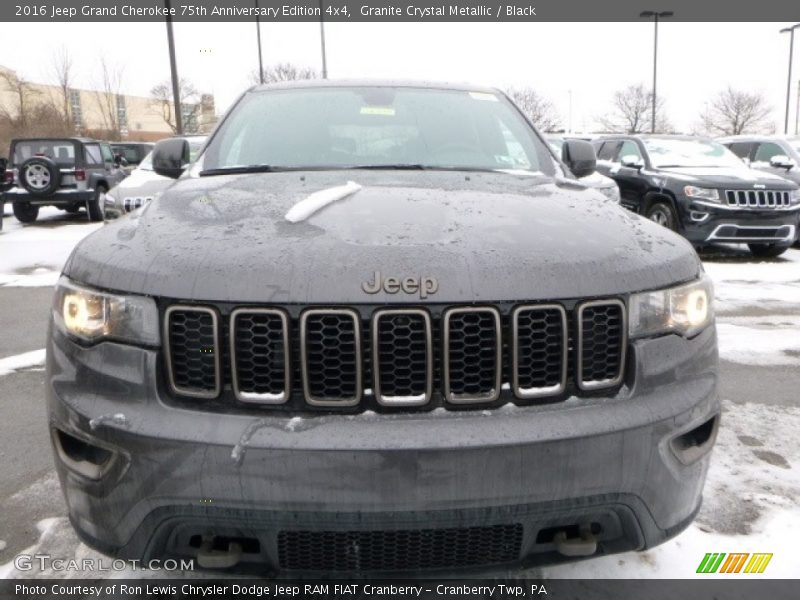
80,175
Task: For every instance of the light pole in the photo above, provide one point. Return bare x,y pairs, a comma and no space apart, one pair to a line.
790,31
173,67
655,15
322,40
260,60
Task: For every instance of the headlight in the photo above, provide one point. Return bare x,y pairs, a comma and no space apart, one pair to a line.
701,193
794,197
611,192
685,309
92,316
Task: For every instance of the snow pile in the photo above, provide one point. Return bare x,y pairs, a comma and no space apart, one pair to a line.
769,340
319,200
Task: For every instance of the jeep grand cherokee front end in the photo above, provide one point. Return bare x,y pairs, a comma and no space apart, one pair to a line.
447,358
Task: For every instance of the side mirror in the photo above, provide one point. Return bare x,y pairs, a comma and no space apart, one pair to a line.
170,157
579,156
632,161
781,161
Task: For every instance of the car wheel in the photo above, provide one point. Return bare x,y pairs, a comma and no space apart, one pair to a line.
39,176
25,212
767,250
663,214
95,206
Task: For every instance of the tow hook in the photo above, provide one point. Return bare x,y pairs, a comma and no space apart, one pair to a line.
585,545
210,558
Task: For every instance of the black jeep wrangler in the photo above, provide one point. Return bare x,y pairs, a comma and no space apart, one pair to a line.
69,173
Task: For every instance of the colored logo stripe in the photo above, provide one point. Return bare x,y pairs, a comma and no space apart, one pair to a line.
713,562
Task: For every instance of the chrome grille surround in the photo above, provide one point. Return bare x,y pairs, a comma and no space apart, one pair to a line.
414,400
490,395
543,391
256,397
304,352
596,384
185,391
758,199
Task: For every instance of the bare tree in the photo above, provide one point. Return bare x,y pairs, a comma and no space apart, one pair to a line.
733,112
631,112
541,112
162,99
62,69
25,95
110,88
284,72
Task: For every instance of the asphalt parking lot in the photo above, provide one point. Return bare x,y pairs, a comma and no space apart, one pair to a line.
752,496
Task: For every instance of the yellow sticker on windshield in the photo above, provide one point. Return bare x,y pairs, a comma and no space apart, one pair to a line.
483,96
386,111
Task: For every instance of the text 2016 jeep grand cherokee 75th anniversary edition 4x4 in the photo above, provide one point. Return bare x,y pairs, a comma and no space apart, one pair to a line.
375,327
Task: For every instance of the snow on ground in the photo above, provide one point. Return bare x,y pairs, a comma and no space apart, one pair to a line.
767,340
28,360
740,281
33,255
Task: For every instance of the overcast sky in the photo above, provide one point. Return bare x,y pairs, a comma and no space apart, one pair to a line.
591,60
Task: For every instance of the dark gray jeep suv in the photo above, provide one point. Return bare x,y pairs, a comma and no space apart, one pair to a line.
377,327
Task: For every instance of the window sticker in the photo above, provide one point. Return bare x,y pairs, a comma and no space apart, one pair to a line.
386,111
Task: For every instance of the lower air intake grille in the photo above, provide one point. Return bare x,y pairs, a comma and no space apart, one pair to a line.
601,343
191,336
399,550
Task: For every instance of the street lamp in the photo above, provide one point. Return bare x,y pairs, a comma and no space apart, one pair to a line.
173,68
260,60
322,40
790,31
655,15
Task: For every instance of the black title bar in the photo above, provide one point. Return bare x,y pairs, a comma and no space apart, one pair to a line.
345,11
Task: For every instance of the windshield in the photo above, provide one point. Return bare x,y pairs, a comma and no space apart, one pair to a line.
376,127
689,153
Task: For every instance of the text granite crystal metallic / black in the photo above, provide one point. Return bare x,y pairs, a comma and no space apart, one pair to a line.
381,328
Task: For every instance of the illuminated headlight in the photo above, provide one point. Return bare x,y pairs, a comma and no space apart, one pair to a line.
709,194
611,192
91,315
686,310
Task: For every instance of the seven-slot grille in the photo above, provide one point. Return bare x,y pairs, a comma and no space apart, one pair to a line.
329,357
757,198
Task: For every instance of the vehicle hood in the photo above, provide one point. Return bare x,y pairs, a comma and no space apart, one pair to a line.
483,236
729,178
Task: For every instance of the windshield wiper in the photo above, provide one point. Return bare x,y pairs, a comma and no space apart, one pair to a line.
244,169
392,167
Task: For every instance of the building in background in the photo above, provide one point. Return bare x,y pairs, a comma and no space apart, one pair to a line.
35,109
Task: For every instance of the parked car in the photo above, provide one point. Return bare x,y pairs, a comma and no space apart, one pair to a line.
69,173
132,152
605,185
700,189
772,154
355,340
143,184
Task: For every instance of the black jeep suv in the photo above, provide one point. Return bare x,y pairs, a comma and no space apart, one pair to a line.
700,189
380,327
69,173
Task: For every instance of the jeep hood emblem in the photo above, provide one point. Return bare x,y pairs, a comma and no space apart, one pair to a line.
424,286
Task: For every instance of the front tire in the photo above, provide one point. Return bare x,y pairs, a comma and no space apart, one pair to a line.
25,212
95,206
767,250
663,214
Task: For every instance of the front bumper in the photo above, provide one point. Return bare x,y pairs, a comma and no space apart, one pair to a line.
706,222
618,465
61,197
